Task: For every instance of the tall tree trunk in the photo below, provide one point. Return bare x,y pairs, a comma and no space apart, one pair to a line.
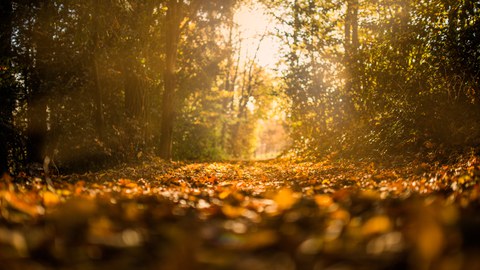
37,99
296,29
97,89
134,92
6,82
98,97
37,121
173,20
134,104
351,47
354,22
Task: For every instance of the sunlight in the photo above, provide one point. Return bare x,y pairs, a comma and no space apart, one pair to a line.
256,29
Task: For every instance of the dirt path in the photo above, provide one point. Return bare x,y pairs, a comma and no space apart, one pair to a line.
257,215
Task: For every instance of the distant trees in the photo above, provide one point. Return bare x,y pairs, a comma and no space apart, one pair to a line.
104,81
381,78
218,119
198,22
93,82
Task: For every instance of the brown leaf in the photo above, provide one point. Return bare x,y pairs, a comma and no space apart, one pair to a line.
31,209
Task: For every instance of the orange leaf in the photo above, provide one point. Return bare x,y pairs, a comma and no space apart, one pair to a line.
377,225
285,199
232,211
22,206
323,200
50,198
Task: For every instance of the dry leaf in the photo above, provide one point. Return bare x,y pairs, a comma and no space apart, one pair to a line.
285,199
323,200
22,206
377,225
232,211
50,199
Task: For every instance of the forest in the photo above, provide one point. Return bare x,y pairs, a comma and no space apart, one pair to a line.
240,134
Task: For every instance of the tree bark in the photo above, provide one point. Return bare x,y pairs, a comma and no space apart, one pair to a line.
97,90
37,99
37,122
134,93
173,20
6,93
354,22
134,104
351,47
351,29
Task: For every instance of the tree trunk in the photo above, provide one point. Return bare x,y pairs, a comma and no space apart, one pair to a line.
173,20
348,27
134,105
6,80
37,122
354,22
97,90
37,99
134,92
351,47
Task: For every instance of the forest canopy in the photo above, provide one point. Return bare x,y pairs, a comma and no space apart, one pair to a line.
239,134
94,82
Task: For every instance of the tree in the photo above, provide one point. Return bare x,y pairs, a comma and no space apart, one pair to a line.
180,16
174,17
351,44
7,95
40,81
94,48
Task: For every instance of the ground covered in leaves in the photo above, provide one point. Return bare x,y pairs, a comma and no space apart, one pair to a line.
333,215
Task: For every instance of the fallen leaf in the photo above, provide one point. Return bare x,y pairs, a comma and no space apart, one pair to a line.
50,199
285,199
323,200
31,209
232,211
377,225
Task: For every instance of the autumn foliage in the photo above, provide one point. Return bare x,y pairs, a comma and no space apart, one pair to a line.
149,135
256,215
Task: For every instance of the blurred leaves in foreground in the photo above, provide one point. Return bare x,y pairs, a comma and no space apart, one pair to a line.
245,215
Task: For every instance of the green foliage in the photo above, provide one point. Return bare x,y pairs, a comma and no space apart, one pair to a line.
382,78
95,69
84,79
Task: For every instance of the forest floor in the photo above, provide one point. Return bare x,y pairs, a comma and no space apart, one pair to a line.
279,214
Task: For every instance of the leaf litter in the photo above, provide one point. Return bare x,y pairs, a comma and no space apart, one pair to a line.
245,215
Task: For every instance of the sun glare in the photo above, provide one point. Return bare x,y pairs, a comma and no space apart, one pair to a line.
256,31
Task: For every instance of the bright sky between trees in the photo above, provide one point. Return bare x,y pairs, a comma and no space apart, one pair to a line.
256,26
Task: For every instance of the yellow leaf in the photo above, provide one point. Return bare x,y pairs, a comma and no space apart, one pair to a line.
21,205
341,214
65,192
285,199
370,194
232,211
50,198
224,194
323,200
377,225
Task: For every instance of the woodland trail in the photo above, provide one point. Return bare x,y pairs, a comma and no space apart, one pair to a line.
246,215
